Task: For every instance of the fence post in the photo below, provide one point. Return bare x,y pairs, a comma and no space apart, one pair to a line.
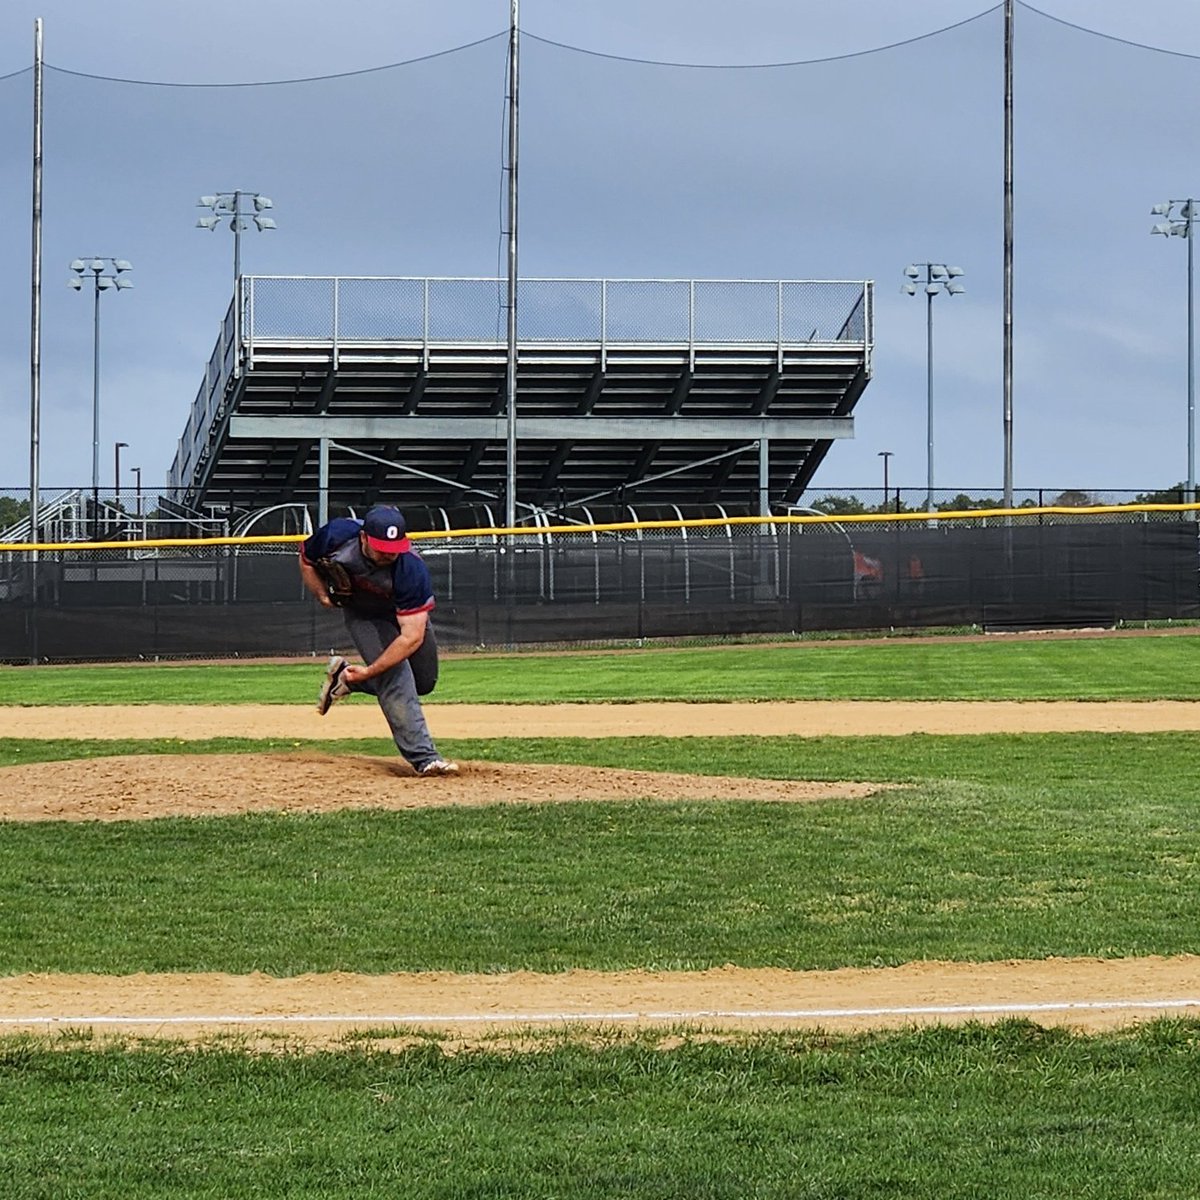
323,482
603,326
337,296
691,324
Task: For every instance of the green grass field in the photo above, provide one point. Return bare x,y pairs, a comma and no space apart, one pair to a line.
1005,1112
1132,668
994,847
1000,847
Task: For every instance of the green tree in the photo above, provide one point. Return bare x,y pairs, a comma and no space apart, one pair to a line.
893,504
1171,495
12,511
964,503
841,505
1072,498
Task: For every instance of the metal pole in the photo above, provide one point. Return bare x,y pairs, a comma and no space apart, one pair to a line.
929,393
35,323
1008,254
510,382
323,482
96,409
117,448
237,238
237,257
1191,377
137,475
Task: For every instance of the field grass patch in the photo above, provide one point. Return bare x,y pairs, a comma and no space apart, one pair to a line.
1142,668
1006,1111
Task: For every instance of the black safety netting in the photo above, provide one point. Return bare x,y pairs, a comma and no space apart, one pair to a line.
591,586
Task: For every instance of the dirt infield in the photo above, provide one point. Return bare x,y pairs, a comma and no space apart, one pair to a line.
130,788
802,718
1087,994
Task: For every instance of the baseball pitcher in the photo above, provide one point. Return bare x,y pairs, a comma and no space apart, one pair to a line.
370,571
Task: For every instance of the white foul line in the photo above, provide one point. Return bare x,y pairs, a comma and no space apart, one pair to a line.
533,1018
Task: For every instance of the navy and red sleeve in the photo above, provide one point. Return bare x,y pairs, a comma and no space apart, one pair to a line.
412,587
328,538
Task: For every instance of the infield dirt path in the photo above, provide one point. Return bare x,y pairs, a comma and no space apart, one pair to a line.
321,1009
1086,994
803,718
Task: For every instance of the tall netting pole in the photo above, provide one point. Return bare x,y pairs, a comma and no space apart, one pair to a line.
1008,253
35,346
35,321
1191,367
510,487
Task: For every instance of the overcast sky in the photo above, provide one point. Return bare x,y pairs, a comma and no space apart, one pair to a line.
842,169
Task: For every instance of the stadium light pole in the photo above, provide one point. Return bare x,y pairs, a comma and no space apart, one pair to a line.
137,476
510,374
228,206
1180,222
935,278
885,455
107,274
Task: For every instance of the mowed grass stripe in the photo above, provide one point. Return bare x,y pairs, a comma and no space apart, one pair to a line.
1125,668
1007,1111
1082,845
1147,762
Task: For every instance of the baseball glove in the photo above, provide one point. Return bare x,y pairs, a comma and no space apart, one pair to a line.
337,581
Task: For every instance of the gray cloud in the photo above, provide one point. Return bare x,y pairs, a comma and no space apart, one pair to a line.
839,170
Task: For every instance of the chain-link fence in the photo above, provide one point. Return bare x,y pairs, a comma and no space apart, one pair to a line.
133,512
1039,506
597,583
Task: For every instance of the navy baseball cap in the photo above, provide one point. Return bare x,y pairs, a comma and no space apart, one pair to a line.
385,532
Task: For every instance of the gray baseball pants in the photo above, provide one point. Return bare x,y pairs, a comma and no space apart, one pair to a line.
400,689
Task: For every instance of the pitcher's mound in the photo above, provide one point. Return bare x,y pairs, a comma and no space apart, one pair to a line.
135,787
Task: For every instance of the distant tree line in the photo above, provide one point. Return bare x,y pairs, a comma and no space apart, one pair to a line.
12,511
849,505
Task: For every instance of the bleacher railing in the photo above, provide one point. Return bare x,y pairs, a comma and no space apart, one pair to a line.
589,311
336,311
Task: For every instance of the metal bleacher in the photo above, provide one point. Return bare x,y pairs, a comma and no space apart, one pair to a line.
348,390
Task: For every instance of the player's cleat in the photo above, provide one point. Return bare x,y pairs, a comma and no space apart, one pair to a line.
439,766
333,688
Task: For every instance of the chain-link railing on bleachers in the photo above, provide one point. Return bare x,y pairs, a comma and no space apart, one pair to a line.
600,311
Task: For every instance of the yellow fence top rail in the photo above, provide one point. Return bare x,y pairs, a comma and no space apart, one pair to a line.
628,526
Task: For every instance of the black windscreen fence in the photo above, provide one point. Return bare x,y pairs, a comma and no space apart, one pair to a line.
586,587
